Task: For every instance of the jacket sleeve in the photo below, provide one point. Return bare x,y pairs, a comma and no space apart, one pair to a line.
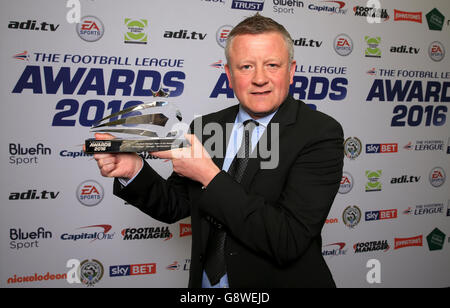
283,230
163,200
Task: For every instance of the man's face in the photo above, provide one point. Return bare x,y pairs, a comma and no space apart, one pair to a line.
259,72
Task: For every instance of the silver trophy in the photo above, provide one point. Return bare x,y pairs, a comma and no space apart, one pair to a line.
154,126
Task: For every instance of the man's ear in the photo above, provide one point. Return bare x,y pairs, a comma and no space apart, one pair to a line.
292,71
228,72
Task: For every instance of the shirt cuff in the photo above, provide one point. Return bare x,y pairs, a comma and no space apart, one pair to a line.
126,181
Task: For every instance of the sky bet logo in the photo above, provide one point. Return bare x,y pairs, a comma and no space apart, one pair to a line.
381,148
381,215
132,270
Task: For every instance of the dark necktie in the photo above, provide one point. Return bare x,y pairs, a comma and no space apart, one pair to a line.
215,253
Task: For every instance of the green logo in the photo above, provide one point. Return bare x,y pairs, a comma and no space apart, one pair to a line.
372,50
373,178
435,20
436,239
136,31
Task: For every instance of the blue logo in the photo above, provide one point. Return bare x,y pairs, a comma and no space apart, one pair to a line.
254,5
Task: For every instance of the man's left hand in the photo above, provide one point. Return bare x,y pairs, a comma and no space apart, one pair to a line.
192,162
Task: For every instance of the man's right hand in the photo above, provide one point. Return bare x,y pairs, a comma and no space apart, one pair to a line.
120,165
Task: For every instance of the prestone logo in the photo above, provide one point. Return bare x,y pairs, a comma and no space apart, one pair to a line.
408,242
408,16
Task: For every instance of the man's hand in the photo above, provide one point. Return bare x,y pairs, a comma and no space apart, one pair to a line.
192,162
121,165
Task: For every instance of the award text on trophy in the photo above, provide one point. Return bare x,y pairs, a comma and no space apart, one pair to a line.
150,124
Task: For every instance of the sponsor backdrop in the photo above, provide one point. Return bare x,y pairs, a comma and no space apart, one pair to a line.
381,68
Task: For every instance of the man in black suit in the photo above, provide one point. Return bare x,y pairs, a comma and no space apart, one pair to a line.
253,224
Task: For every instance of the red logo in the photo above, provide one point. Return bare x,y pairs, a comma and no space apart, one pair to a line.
332,221
410,241
185,230
408,16
143,269
89,25
342,42
89,190
436,48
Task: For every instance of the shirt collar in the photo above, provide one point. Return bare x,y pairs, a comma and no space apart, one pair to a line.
243,116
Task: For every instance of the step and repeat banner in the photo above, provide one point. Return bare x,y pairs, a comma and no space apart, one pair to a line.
381,68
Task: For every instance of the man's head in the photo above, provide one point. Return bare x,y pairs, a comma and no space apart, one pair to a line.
260,64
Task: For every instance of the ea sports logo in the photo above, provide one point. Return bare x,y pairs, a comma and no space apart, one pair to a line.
346,183
436,51
343,45
222,35
90,193
437,177
90,29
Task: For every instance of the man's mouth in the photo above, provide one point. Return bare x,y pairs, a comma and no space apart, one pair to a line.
261,92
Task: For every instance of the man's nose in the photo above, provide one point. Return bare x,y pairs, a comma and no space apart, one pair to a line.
260,76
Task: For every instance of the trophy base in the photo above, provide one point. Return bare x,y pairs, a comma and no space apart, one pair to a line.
94,146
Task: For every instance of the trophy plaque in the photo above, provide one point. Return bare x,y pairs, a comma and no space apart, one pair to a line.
154,126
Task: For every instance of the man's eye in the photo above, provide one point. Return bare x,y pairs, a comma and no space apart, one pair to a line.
245,67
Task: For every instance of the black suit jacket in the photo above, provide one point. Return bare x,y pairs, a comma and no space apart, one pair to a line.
274,217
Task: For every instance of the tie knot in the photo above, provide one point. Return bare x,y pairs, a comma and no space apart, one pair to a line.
249,125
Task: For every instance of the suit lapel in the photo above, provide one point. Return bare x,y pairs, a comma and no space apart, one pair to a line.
285,116
228,117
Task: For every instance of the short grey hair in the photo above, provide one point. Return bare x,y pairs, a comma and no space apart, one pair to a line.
258,24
